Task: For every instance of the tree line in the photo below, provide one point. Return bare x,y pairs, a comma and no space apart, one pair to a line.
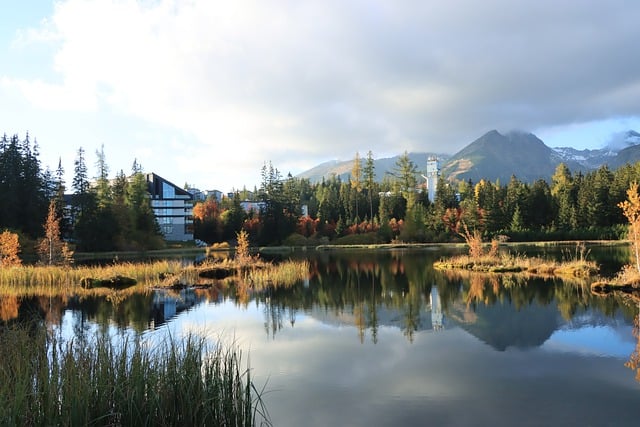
98,214
361,209
103,214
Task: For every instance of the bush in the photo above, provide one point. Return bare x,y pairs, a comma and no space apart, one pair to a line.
359,239
297,239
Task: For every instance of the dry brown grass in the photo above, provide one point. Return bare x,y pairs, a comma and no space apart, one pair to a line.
629,275
508,263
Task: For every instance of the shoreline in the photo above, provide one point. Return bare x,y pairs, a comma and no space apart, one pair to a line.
85,256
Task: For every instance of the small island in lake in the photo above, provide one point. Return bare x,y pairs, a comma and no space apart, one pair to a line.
491,260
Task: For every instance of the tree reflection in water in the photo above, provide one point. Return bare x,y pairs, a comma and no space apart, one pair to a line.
368,290
634,359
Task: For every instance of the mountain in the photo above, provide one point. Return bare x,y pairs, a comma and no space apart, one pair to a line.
629,155
328,169
383,166
621,148
495,156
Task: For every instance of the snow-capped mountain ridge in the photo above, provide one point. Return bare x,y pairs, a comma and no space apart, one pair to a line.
594,158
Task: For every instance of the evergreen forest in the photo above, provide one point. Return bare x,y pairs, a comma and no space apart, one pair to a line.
361,210
105,214
96,214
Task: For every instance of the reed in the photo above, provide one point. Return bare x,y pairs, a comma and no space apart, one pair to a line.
43,280
503,263
45,381
285,274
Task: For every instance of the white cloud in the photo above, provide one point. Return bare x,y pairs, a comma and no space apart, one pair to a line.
70,96
248,81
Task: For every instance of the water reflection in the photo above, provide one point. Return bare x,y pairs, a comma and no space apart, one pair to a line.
634,359
368,291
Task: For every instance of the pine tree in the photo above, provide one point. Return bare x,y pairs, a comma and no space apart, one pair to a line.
369,179
516,220
563,192
145,230
82,199
58,197
22,186
103,187
405,173
356,180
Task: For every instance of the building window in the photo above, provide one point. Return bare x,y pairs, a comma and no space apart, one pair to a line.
168,192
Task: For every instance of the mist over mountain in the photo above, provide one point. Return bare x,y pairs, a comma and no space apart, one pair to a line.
496,156
621,140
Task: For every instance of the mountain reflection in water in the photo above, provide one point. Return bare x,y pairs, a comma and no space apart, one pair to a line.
384,339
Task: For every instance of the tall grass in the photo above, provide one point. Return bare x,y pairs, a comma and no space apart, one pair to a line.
509,263
44,381
43,280
284,274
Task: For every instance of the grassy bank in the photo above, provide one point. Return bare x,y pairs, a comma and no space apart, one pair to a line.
258,274
508,263
46,382
30,280
127,277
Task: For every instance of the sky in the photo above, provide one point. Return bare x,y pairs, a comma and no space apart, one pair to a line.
206,92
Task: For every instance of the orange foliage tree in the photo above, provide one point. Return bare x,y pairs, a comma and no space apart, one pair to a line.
307,226
207,210
51,248
9,249
243,254
631,210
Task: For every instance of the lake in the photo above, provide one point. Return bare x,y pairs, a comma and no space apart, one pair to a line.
381,339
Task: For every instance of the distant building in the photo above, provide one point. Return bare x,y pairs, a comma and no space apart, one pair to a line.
172,207
433,172
198,195
214,194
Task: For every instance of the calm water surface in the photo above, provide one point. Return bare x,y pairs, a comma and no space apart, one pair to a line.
384,340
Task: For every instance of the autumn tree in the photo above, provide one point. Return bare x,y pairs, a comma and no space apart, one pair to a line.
631,210
563,192
9,249
207,221
243,255
51,249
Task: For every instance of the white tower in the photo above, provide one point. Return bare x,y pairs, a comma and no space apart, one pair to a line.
433,171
